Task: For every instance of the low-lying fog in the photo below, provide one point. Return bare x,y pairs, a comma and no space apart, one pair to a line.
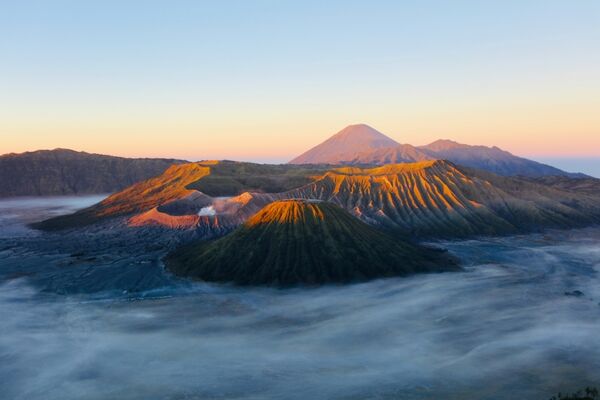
15,212
504,328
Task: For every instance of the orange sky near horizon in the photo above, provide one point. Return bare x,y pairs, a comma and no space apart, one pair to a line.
570,128
266,80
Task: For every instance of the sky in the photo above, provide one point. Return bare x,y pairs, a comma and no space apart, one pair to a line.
266,80
587,165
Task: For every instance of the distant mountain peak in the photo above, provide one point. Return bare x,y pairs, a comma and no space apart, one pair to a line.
360,130
365,134
361,144
444,144
343,146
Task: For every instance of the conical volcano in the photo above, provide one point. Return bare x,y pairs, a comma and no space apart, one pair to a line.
304,242
345,145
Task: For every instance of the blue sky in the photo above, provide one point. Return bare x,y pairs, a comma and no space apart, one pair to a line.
264,80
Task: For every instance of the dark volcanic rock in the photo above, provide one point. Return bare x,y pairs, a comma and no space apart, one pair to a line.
575,293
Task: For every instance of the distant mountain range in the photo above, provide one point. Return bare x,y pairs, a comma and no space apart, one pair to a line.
426,199
68,172
362,145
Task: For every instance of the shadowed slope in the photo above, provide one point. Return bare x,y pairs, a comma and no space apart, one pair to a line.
303,242
227,213
231,178
67,172
587,185
140,197
179,185
435,198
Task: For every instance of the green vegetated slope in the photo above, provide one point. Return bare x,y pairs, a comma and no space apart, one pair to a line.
303,242
230,178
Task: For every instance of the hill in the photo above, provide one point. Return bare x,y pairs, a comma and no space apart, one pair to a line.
68,172
304,242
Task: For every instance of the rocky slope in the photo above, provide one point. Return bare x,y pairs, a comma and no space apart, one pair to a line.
223,214
143,196
304,242
353,146
437,198
67,172
184,189
426,199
